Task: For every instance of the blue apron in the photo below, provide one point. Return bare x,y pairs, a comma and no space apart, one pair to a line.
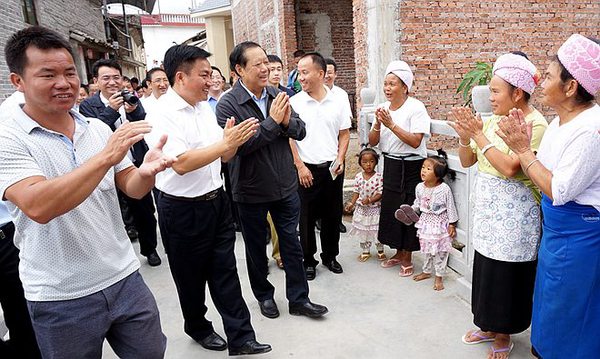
566,300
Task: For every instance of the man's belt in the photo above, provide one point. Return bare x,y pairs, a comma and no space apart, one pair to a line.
205,197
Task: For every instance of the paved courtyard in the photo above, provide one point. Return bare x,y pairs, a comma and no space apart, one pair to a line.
374,314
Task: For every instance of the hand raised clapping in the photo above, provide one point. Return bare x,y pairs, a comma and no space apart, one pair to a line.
236,135
155,160
515,132
465,123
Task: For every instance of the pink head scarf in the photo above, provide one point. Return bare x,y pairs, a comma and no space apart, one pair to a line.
402,70
517,71
581,57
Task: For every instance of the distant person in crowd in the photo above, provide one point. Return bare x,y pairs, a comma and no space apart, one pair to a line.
566,168
292,82
22,343
320,158
216,90
401,129
194,215
157,84
264,180
275,73
506,212
111,107
127,85
366,205
58,172
93,88
84,92
434,215
135,82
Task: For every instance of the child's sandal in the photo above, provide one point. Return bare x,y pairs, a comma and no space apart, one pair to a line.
381,256
363,257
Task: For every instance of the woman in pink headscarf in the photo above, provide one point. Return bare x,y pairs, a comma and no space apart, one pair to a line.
566,310
506,220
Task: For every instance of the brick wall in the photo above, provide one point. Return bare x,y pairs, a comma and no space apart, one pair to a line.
443,39
59,15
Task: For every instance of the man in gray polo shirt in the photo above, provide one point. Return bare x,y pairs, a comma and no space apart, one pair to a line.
59,171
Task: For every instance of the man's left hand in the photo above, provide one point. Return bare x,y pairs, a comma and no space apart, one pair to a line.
155,160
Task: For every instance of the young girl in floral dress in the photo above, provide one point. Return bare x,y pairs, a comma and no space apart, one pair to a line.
436,224
366,203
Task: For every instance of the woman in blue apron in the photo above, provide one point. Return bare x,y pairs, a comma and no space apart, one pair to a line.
566,309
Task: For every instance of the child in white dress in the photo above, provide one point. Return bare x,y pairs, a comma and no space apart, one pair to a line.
436,224
366,203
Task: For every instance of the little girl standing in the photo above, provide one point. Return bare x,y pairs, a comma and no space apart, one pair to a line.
436,225
366,203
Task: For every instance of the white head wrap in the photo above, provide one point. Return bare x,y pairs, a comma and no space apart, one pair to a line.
402,70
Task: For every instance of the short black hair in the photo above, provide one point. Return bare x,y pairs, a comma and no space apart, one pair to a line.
181,58
134,80
238,54
317,59
85,87
368,151
274,58
126,79
219,71
151,72
112,63
36,36
299,53
330,61
441,168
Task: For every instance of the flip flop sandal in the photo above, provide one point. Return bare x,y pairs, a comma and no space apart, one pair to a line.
410,212
381,256
402,217
506,350
406,271
389,263
480,337
363,257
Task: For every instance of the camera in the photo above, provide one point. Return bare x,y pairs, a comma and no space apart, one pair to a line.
129,98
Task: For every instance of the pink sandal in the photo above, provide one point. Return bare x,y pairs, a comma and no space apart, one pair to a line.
481,338
390,263
406,271
506,350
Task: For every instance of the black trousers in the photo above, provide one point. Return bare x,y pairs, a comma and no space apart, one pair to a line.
22,343
200,241
253,217
142,212
321,200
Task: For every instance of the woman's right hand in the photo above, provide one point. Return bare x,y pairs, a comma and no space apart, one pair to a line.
466,125
384,117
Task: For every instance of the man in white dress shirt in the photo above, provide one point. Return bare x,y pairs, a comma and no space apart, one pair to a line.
194,213
157,81
320,157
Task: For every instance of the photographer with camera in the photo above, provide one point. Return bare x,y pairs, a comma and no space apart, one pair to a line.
113,106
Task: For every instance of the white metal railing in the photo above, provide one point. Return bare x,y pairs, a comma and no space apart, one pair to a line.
180,18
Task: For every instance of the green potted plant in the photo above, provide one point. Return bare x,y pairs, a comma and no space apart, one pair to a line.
474,86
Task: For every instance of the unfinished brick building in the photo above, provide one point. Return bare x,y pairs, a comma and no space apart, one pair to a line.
440,39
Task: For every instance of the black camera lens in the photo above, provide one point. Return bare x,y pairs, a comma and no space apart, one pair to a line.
129,97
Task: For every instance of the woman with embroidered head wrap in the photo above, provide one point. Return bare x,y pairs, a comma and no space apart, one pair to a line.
401,130
506,219
566,305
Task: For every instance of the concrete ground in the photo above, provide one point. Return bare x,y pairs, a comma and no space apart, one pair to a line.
374,313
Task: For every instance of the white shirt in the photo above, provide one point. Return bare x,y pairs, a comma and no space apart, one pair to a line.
324,120
149,103
188,127
84,250
412,116
342,96
121,111
572,153
11,103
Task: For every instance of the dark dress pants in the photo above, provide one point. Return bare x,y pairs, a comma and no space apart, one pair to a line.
321,200
22,343
253,218
200,243
142,212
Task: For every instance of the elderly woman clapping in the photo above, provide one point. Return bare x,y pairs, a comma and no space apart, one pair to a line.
566,311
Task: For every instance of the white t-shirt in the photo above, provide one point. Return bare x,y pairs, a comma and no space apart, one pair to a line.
84,250
324,120
342,96
188,127
412,116
572,153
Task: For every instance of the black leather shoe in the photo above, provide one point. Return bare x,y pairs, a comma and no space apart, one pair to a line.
154,259
250,347
311,273
308,309
334,266
268,308
213,342
342,228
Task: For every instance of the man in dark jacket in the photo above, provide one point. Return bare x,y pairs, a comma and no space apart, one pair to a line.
264,179
109,106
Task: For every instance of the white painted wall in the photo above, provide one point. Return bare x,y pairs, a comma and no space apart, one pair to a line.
158,39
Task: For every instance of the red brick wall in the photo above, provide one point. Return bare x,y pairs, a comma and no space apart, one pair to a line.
342,36
443,39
